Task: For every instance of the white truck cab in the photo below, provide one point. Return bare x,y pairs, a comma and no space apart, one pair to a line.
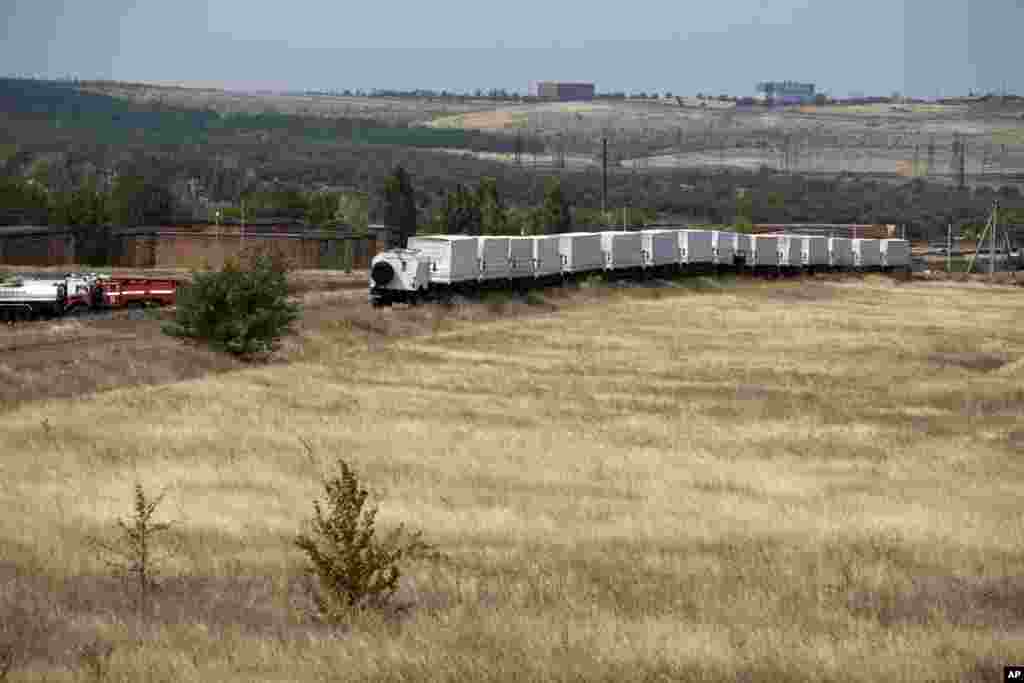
399,275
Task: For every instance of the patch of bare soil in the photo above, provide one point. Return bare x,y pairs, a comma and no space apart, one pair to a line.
971,360
71,356
1001,279
994,603
67,359
802,292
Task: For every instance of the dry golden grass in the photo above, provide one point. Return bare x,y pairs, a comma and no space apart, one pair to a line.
482,120
764,482
1008,136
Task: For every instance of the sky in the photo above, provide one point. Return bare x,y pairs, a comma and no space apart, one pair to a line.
922,48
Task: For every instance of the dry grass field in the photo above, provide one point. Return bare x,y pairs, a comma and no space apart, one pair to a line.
739,481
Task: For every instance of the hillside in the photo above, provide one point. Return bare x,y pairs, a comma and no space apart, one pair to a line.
849,167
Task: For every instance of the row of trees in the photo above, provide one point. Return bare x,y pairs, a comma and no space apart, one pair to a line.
449,192
481,210
131,200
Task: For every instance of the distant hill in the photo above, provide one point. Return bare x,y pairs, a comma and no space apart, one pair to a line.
115,120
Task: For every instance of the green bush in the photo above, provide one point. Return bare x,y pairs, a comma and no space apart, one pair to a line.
354,569
534,299
239,309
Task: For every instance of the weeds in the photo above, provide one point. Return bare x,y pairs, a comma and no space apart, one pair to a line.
353,568
26,623
95,657
133,556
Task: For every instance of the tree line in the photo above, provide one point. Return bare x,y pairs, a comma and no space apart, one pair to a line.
501,202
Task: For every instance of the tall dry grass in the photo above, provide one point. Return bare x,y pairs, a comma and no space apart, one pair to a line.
762,482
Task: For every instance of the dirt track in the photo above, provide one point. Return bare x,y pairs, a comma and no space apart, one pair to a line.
71,357
74,356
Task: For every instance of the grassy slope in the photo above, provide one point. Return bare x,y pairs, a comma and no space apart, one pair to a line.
768,482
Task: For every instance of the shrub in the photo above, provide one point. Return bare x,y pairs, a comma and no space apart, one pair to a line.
133,556
353,569
497,301
242,310
534,299
28,625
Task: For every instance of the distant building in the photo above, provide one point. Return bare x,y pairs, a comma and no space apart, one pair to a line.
786,92
563,92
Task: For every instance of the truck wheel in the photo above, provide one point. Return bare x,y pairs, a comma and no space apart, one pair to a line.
382,273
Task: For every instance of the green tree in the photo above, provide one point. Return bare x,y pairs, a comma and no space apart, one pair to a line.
136,200
555,213
467,215
399,200
459,213
322,208
524,221
242,310
353,209
28,196
85,206
744,212
492,211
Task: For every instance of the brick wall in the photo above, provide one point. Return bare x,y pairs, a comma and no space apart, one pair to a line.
38,249
158,247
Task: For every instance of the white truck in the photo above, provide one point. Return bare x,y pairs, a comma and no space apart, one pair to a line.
399,275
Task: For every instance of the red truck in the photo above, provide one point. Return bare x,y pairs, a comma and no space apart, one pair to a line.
120,292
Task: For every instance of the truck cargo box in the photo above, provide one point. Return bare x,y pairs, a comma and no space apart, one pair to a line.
695,246
814,251
867,253
520,256
895,253
840,252
764,251
743,246
133,291
790,248
723,247
493,254
622,249
546,260
660,247
580,251
453,257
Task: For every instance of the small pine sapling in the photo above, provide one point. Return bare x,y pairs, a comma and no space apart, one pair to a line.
353,569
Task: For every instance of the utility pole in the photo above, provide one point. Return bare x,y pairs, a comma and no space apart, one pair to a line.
949,248
990,224
992,244
931,156
963,164
604,175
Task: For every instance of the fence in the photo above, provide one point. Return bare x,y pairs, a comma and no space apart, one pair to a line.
178,248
